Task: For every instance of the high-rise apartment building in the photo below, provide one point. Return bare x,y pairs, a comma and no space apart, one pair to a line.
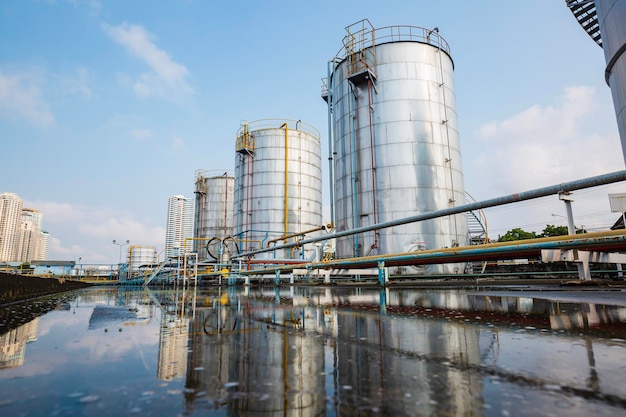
180,212
45,243
10,216
21,237
30,248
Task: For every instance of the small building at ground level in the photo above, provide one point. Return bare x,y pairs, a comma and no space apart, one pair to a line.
52,267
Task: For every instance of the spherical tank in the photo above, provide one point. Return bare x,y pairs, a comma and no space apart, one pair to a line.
140,256
214,208
396,142
278,183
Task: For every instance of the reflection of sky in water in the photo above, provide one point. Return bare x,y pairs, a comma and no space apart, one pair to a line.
318,352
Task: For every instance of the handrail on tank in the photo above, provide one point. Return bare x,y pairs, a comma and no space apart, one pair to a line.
298,125
402,33
212,173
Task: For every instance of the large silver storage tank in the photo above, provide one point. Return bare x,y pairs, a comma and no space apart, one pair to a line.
278,184
605,22
396,141
214,208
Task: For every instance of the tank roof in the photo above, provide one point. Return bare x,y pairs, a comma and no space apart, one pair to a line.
362,35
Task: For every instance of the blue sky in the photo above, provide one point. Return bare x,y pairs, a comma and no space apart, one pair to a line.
109,107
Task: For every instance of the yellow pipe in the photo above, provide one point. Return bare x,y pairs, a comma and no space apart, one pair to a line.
565,239
285,237
286,205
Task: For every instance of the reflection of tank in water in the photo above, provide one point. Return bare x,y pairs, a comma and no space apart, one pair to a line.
235,349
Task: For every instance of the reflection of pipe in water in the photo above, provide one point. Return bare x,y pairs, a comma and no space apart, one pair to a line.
593,382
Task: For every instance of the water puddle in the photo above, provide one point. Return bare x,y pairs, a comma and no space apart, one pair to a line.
314,351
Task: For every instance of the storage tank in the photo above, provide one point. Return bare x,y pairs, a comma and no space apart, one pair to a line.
214,208
140,256
604,21
278,185
395,141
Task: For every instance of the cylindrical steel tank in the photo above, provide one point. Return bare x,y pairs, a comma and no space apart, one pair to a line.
214,208
604,21
141,256
396,141
612,19
278,185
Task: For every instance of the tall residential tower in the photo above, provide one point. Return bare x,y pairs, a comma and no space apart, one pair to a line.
30,240
10,215
180,213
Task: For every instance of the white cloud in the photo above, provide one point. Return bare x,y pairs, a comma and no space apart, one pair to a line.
141,134
58,213
178,144
166,76
545,145
542,146
87,232
78,83
20,95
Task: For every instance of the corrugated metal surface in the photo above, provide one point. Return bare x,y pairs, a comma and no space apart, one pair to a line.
214,208
397,149
141,256
261,186
612,19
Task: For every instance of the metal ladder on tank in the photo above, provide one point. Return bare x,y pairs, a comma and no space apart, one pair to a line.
359,45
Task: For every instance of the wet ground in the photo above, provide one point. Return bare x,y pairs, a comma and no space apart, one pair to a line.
534,351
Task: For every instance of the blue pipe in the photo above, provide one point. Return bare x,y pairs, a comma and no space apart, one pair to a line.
504,250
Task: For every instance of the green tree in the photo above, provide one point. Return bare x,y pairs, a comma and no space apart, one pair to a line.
552,230
516,234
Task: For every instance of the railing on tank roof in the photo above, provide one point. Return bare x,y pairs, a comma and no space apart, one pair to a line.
211,173
277,124
402,33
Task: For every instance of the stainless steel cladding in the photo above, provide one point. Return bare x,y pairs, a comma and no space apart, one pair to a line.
396,141
214,208
141,256
278,184
612,19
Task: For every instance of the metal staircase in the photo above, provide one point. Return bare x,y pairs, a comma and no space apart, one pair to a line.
476,225
585,13
360,52
156,272
476,230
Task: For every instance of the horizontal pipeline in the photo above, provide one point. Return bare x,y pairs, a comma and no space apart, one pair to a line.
613,240
498,201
